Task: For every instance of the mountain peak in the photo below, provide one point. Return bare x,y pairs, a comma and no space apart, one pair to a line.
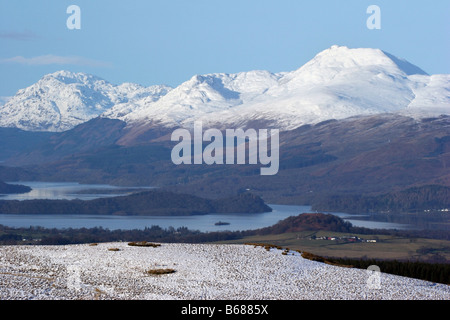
68,77
342,56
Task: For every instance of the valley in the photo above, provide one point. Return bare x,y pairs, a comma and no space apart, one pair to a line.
337,165
233,158
360,131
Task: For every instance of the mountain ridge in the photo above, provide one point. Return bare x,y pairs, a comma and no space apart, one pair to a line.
62,100
337,83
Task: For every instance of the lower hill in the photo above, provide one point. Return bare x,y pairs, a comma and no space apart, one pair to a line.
308,221
160,203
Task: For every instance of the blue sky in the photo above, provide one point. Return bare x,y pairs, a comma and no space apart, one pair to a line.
168,41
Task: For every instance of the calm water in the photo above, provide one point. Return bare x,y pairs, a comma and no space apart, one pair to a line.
238,221
65,190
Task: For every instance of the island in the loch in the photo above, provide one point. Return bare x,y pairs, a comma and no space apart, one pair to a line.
221,223
6,188
148,203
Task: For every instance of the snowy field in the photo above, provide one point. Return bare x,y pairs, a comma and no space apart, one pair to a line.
202,271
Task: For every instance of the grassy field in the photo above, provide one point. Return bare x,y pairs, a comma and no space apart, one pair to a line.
386,246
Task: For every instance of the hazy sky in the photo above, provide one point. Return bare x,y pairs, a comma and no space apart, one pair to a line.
168,41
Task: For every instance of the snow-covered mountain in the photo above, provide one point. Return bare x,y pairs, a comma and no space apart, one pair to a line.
201,96
337,83
62,100
342,82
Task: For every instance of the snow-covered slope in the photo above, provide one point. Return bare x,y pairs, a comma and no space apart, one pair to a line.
62,100
337,83
342,82
117,271
201,95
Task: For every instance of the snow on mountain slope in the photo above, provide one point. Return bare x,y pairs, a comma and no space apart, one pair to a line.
432,95
337,83
342,82
201,95
62,100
